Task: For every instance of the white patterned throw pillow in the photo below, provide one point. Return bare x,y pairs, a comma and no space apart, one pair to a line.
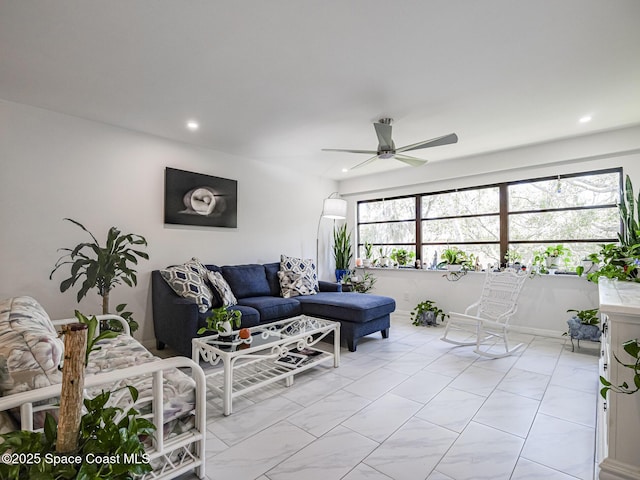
295,284
188,281
223,288
305,267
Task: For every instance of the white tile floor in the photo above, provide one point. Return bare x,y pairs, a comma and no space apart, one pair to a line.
412,407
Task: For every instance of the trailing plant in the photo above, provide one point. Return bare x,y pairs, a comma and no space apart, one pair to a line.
593,258
104,433
361,284
427,306
512,256
587,317
617,262
103,267
632,347
539,262
219,316
342,253
401,256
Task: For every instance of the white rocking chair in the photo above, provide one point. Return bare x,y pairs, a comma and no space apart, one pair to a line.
497,304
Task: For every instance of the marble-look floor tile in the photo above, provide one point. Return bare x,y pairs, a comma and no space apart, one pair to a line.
376,384
254,456
323,416
571,405
464,461
361,366
508,412
452,409
330,457
314,389
525,383
435,475
382,417
586,380
503,364
528,470
412,451
422,386
214,445
538,363
449,365
365,472
241,425
477,380
564,446
410,363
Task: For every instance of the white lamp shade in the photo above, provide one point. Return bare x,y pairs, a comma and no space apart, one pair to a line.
334,208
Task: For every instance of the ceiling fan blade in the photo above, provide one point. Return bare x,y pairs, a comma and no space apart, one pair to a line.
413,161
366,162
368,152
383,131
434,142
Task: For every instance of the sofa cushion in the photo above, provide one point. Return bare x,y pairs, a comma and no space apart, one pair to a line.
273,308
223,289
272,269
189,281
352,307
295,284
306,267
247,280
30,350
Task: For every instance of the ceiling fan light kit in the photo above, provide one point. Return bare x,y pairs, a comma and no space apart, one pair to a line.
387,148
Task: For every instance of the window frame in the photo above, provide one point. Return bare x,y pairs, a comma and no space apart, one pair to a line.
503,214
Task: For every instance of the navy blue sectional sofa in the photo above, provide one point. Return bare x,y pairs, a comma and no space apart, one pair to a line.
257,288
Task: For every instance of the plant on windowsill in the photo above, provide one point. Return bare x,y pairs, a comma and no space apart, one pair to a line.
550,258
513,259
455,259
368,255
103,267
342,253
401,256
222,320
427,313
632,347
383,259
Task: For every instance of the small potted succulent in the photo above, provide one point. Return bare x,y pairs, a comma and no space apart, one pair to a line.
368,255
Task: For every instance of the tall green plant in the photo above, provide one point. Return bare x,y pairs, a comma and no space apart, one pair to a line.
630,216
102,267
342,253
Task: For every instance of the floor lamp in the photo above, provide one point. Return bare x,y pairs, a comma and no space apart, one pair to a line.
335,208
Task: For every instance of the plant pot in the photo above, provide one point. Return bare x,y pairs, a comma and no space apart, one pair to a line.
454,268
589,266
427,318
340,274
384,262
226,331
552,262
366,262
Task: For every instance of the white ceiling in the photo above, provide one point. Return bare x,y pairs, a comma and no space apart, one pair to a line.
278,80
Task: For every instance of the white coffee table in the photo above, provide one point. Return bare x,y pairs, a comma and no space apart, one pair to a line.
275,351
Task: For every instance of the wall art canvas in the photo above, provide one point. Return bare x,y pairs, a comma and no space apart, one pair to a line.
197,199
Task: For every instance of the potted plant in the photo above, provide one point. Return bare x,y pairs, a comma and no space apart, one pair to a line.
361,283
427,313
588,264
222,320
455,259
103,267
513,258
550,258
368,254
383,259
342,251
584,325
401,256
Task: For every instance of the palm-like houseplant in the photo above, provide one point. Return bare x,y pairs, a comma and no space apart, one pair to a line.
103,267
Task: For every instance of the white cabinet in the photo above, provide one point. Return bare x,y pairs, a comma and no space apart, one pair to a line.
618,421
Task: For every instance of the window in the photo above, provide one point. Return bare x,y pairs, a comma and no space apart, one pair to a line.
577,210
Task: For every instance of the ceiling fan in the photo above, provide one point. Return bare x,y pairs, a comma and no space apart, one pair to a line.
387,149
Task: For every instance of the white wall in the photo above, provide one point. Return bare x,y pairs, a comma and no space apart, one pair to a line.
544,299
55,166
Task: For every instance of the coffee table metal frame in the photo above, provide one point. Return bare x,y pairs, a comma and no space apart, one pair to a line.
251,364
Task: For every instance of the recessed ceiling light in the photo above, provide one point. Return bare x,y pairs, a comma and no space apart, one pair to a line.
585,119
193,125
345,170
